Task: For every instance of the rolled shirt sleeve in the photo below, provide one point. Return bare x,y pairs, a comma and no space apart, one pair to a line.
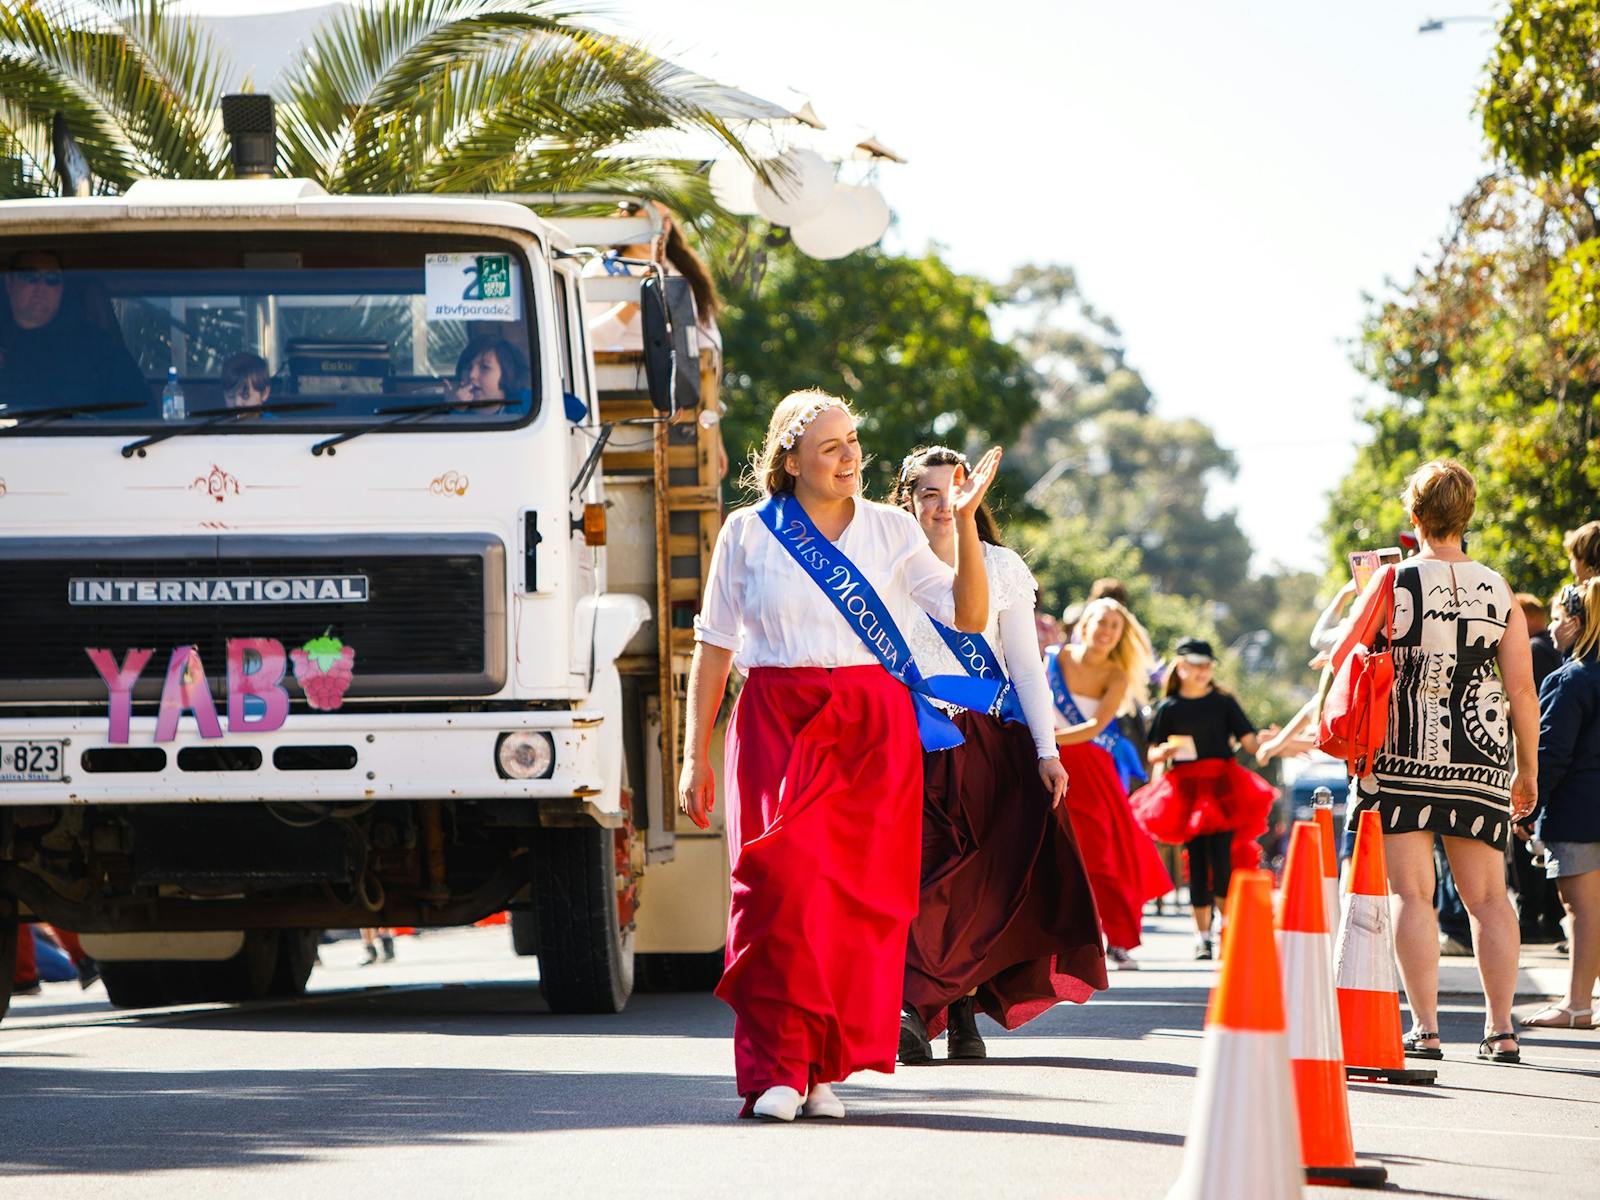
717,623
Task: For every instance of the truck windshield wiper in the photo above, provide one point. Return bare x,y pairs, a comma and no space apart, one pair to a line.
209,418
27,415
399,416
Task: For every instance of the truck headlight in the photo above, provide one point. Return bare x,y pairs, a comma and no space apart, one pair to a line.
526,755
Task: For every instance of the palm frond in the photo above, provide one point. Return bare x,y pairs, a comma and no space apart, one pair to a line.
139,85
478,124
367,62
31,95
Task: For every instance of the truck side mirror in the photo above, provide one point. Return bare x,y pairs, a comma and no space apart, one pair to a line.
659,367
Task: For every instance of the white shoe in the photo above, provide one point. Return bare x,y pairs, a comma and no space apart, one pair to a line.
778,1104
1120,959
823,1103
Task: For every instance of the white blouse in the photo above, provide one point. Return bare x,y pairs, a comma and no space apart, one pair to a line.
761,604
1011,634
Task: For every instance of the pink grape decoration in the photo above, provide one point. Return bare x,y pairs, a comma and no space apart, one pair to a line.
323,667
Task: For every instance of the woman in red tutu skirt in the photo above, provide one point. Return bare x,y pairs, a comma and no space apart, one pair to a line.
1089,680
809,591
1206,801
1006,921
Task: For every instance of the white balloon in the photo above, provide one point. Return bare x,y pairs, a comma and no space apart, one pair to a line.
733,185
874,214
854,219
835,231
802,185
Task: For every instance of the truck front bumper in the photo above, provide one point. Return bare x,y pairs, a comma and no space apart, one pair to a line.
391,756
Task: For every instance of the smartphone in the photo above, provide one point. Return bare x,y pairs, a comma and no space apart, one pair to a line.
1363,565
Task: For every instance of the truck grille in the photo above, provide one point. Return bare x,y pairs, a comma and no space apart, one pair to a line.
433,622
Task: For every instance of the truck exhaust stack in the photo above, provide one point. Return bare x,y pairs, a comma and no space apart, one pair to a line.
249,123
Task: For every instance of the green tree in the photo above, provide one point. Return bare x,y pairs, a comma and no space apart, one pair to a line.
389,96
1491,353
1099,451
909,340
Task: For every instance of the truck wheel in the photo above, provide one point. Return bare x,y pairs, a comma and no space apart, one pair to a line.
248,975
583,887
8,961
679,972
525,933
297,955
148,983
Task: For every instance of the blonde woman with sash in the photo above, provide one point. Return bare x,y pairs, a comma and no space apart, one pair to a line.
810,593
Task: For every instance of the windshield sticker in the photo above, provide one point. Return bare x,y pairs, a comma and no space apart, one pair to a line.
472,287
258,701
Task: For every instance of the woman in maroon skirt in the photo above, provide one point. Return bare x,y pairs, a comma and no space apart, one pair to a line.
809,591
1006,921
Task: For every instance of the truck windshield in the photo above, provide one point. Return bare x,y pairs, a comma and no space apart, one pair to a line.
103,325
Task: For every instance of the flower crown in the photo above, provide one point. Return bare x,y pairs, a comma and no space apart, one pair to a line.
808,414
914,460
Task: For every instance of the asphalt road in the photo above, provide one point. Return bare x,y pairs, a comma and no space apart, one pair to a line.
442,1074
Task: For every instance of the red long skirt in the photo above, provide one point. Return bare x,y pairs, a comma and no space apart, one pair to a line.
1211,795
1006,906
824,772
1125,869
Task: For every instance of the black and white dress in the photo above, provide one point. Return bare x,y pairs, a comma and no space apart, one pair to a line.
1445,762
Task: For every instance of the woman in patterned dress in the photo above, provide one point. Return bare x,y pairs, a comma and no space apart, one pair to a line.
1446,765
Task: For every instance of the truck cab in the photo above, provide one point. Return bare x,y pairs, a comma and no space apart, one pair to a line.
306,505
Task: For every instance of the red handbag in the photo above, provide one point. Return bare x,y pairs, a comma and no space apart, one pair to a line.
1355,713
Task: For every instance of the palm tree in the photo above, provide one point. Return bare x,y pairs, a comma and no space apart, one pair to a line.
390,96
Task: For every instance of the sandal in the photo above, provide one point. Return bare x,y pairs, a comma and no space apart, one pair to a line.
1553,1016
1413,1047
1488,1053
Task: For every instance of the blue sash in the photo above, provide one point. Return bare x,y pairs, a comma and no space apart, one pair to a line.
972,651
847,589
1110,739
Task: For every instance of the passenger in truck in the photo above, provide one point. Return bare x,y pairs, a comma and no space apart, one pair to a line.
491,368
50,352
246,381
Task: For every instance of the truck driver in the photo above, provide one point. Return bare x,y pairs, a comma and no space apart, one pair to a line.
50,354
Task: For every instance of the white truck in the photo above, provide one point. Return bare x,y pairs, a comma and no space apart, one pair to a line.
383,622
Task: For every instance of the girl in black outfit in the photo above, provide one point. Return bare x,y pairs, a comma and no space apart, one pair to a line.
1206,800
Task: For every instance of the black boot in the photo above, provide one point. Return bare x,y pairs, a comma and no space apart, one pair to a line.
914,1048
965,1040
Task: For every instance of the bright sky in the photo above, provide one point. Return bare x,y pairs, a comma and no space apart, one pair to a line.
1227,178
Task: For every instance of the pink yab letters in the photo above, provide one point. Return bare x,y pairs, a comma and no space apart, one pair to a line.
255,668
186,688
119,682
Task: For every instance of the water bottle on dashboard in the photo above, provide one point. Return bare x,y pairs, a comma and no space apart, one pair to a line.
172,405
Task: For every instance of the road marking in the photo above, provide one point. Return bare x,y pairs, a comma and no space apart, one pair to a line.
1505,1133
49,1039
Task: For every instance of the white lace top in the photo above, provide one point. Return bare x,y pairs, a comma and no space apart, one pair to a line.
1012,635
761,604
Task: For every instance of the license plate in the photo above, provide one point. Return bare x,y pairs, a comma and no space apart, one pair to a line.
32,762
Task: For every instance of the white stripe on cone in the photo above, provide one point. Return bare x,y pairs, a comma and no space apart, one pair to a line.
1364,959
1330,903
1331,912
1243,1141
1308,996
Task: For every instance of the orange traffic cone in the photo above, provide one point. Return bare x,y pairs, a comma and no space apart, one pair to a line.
1242,1143
1364,972
1322,813
1321,1096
